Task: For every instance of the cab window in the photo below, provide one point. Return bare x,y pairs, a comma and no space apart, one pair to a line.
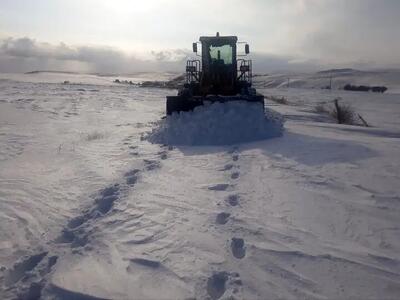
222,54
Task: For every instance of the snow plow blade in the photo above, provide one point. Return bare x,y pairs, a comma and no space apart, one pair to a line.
181,103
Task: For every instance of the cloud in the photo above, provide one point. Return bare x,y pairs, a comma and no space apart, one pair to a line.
26,54
347,32
338,32
171,55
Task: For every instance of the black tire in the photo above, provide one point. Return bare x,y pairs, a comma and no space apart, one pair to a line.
174,104
178,104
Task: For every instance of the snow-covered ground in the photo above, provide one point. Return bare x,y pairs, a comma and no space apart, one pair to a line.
89,208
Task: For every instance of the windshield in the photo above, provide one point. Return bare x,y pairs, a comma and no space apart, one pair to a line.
221,53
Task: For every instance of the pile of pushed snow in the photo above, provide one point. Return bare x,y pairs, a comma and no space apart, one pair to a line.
218,124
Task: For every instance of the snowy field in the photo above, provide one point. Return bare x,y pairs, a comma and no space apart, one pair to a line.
91,209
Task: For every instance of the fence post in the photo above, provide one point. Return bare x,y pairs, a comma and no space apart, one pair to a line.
338,111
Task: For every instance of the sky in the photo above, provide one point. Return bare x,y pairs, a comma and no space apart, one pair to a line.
123,36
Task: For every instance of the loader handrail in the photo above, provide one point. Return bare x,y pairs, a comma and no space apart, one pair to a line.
193,71
244,70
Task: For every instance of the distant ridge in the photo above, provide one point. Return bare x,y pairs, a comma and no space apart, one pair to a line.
100,74
50,71
339,71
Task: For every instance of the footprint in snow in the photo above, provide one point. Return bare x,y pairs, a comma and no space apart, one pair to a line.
73,233
222,218
238,248
107,197
219,187
151,164
77,238
163,155
76,222
132,176
25,270
216,285
235,175
131,180
233,200
146,262
227,167
21,268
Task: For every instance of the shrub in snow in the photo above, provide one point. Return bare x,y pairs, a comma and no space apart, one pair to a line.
379,89
363,88
320,109
218,124
343,113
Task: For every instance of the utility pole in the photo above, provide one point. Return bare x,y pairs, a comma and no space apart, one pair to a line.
288,81
330,82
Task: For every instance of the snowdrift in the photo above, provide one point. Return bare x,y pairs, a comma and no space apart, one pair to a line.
218,124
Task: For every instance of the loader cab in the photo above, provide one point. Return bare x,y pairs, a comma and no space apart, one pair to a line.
219,65
218,59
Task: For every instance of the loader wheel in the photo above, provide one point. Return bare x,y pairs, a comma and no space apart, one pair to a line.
178,104
173,105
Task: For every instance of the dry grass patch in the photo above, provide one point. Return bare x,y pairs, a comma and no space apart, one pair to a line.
96,135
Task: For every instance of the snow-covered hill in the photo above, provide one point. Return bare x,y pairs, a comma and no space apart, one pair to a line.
337,78
89,208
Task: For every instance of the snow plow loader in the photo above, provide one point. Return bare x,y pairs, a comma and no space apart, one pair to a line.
220,75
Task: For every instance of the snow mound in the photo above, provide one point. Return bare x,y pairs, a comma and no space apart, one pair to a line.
218,124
